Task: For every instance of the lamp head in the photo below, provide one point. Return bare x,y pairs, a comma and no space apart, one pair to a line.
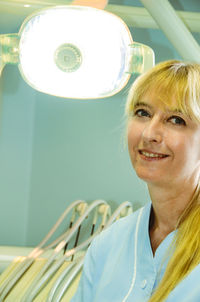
77,52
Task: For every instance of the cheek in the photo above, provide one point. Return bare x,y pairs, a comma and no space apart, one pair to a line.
133,137
133,134
185,152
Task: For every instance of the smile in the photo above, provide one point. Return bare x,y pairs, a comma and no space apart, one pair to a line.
152,155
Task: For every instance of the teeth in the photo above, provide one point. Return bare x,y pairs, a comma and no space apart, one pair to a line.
147,154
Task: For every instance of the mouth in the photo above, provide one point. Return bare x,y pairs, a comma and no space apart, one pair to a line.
149,155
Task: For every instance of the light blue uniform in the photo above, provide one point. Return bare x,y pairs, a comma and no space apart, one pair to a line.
120,267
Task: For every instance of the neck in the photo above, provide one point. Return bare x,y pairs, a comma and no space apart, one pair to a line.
169,204
167,207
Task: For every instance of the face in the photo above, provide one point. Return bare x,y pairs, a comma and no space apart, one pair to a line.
164,145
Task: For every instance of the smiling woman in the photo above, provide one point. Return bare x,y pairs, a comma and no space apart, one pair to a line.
162,141
163,136
158,258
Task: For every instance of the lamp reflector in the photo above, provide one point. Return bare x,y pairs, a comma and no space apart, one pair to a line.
75,52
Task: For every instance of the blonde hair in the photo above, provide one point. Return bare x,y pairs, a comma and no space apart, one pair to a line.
170,80
178,86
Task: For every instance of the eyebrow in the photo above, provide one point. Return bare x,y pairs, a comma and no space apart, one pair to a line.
138,104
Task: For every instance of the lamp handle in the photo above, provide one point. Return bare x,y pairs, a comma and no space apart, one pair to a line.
142,58
9,50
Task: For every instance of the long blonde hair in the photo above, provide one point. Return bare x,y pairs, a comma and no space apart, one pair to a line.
179,81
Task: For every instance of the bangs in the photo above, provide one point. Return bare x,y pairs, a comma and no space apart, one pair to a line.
177,88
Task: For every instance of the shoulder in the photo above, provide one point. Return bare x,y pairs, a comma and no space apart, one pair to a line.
108,252
120,231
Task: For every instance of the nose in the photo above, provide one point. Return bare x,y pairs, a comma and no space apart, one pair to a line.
153,131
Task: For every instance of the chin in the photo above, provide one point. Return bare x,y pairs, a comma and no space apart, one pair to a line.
149,176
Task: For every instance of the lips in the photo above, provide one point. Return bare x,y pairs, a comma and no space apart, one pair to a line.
152,155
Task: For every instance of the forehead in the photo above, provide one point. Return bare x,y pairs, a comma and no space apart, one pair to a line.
159,100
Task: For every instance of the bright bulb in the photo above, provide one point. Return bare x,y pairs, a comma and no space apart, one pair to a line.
75,52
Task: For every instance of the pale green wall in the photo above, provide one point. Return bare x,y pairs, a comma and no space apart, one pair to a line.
16,140
54,150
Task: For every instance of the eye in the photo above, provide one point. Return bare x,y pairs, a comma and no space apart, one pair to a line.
141,113
177,120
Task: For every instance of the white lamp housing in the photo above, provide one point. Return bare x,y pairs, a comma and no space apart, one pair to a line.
78,52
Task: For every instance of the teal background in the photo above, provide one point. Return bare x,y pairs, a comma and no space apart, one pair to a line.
55,150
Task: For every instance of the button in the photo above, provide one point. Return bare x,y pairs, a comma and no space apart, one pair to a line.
144,283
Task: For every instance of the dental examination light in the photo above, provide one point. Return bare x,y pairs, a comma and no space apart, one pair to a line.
75,52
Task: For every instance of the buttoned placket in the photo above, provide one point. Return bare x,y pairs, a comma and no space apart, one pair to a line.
150,269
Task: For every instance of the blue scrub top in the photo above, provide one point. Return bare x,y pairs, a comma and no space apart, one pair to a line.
120,267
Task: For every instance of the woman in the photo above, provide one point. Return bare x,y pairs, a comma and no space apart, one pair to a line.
154,254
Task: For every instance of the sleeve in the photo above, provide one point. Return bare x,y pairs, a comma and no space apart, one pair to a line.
86,285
